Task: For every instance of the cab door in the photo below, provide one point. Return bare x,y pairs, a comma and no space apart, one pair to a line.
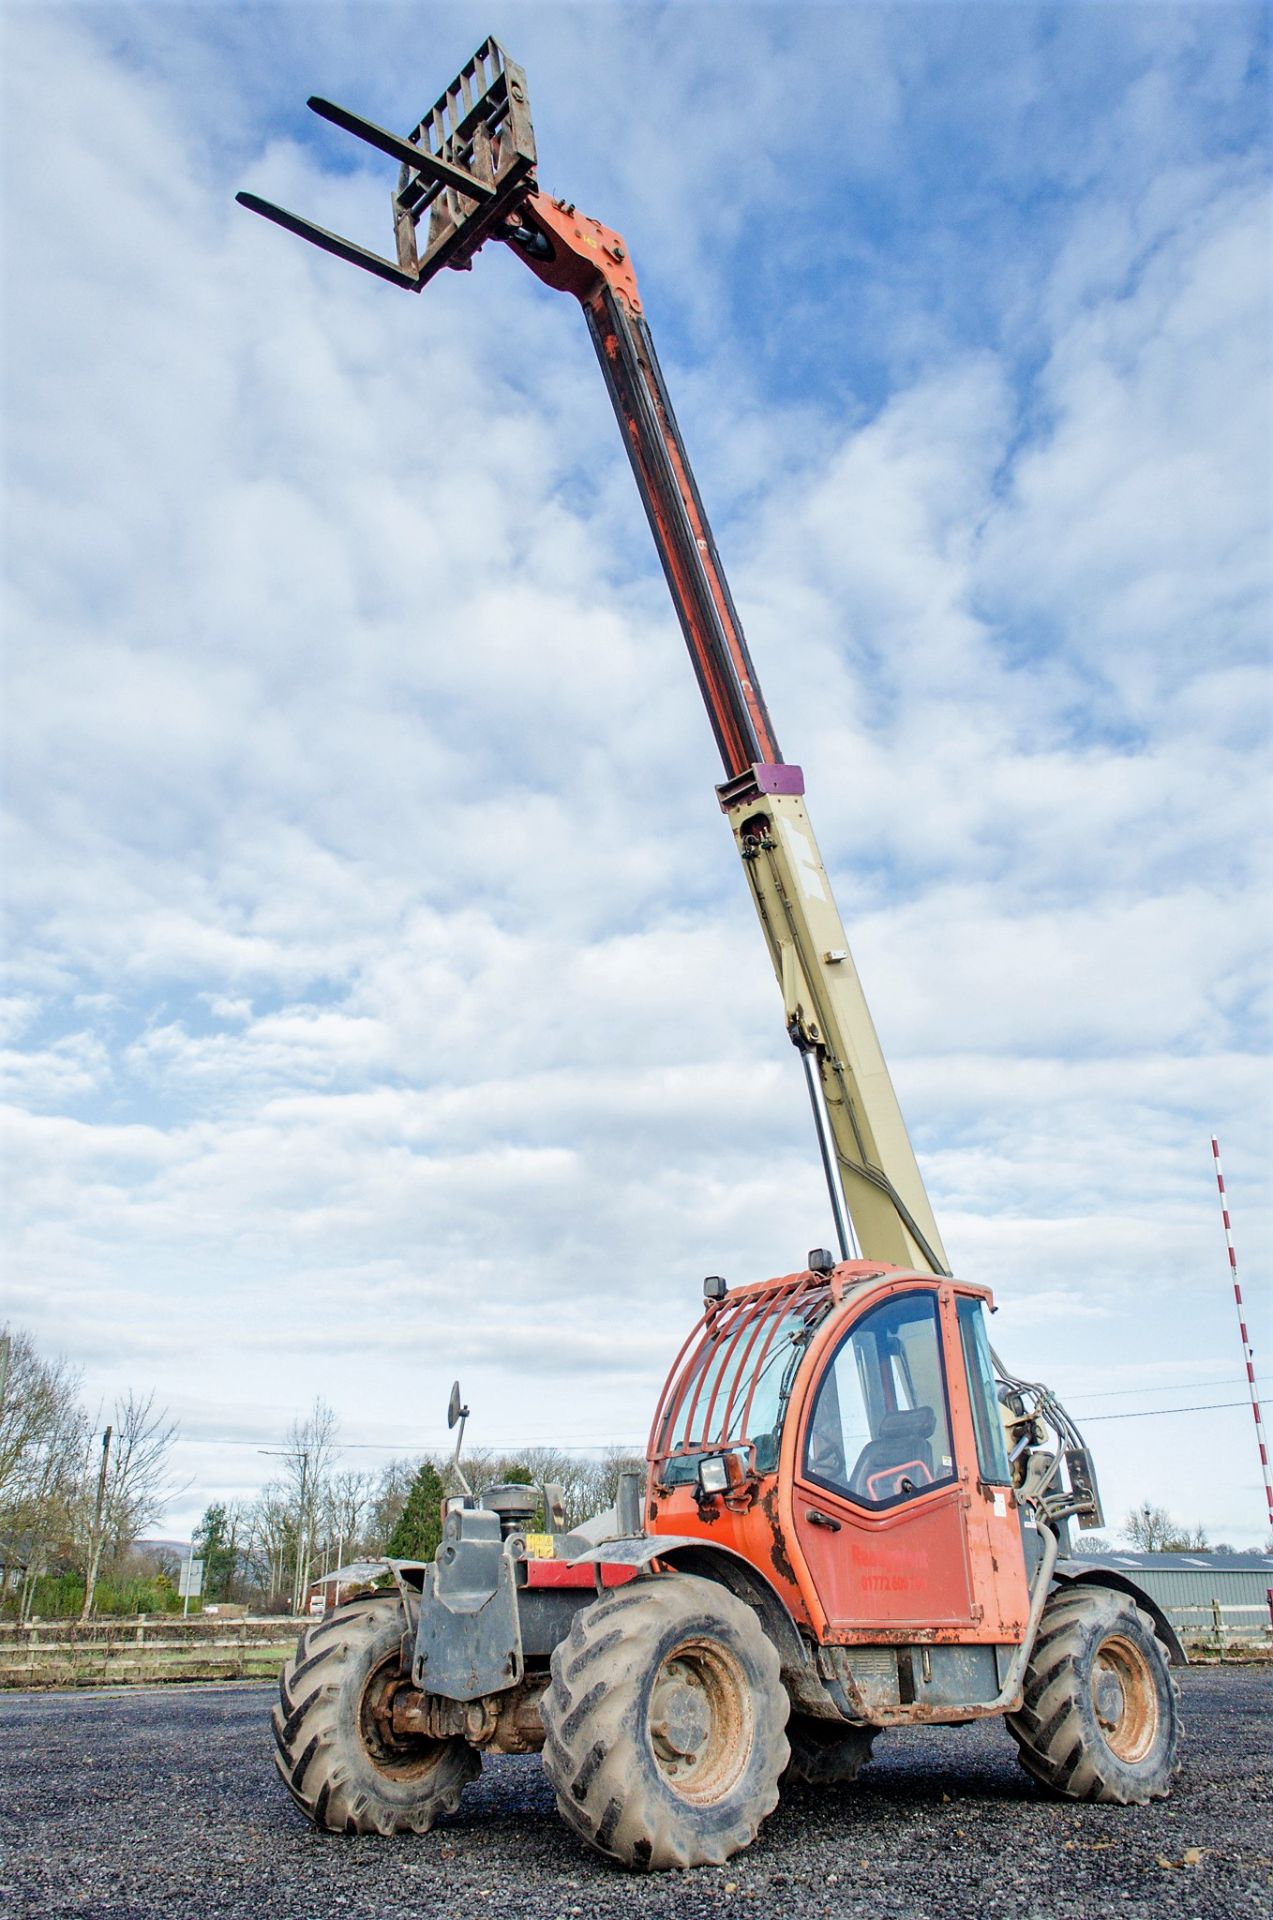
995,1543
880,1502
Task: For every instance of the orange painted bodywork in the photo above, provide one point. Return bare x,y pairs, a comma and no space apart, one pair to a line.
944,1566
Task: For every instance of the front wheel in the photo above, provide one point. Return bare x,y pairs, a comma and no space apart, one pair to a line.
339,1757
664,1724
1100,1718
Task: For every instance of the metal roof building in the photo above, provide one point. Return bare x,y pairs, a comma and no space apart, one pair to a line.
1190,1587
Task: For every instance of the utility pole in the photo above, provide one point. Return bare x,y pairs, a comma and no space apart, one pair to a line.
95,1539
304,1542
1248,1351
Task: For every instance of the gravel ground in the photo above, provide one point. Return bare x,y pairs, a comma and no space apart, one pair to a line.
165,1802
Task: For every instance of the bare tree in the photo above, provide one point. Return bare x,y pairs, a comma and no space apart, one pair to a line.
35,1395
614,1462
303,1488
1151,1529
42,1431
590,1483
546,1466
93,1499
349,1502
126,1491
389,1500
271,1542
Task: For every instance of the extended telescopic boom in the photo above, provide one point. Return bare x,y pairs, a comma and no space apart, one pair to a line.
469,168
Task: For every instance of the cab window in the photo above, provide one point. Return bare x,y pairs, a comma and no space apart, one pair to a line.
751,1369
880,1429
992,1454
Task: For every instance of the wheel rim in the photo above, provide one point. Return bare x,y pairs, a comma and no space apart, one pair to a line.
701,1720
397,1756
1125,1699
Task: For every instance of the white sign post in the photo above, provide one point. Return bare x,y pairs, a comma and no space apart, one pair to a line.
190,1585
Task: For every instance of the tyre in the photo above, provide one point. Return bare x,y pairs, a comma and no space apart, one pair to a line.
338,1755
664,1724
824,1753
1100,1719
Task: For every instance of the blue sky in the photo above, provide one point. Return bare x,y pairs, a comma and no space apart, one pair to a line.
384,1000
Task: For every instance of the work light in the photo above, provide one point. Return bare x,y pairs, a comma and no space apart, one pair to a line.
713,1474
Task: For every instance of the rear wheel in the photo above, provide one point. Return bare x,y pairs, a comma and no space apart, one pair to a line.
664,1724
1100,1719
338,1754
825,1753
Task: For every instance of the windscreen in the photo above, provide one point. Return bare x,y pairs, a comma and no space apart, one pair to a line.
733,1385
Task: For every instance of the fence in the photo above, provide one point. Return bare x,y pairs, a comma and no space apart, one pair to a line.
57,1653
1213,1624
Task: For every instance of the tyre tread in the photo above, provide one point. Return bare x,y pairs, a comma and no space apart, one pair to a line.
609,1790
318,1749
1059,1742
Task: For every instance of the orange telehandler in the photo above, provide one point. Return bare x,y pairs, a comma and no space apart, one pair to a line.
853,1517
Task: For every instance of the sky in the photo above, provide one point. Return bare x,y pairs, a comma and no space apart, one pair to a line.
384,1002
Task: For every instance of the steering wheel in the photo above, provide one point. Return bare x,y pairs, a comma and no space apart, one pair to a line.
826,1455
906,1474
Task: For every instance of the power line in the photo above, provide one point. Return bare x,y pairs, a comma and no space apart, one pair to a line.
1153,1413
1177,1386
638,1445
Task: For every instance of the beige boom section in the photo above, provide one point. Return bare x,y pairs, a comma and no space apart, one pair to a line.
828,1017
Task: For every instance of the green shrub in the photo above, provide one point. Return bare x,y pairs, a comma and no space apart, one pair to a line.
60,1596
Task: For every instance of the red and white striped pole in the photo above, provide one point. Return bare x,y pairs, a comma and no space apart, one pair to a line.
1248,1352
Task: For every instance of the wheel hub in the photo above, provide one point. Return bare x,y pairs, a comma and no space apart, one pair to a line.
680,1715
1125,1699
1111,1702
700,1720
397,1755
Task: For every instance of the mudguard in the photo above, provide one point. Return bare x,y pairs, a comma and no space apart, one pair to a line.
636,1551
693,1554
1091,1571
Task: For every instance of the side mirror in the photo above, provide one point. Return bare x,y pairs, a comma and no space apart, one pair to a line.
456,1414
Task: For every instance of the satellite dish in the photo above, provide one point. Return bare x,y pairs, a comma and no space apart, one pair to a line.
456,1410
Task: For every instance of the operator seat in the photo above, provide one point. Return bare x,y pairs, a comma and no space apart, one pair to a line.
899,1452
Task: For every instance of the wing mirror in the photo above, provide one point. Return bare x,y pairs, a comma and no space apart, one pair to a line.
458,1413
